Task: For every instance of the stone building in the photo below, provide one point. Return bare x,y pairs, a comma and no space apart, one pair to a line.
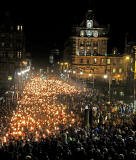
86,58
13,55
86,48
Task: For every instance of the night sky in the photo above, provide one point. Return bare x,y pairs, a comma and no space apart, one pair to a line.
49,22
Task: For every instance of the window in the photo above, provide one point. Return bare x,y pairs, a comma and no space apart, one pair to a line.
104,42
21,27
95,53
19,54
51,59
81,52
95,60
120,70
18,27
108,61
121,93
102,60
81,60
95,44
114,70
115,92
82,43
2,44
121,61
88,43
88,61
81,33
88,52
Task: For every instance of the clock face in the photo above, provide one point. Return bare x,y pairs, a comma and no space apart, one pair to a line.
89,24
95,33
81,33
89,33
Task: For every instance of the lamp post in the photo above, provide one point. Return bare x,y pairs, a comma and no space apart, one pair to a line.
109,84
93,78
92,75
134,74
127,58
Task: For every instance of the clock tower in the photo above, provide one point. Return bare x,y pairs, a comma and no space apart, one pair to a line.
87,47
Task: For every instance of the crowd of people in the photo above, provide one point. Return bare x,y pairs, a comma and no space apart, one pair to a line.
49,123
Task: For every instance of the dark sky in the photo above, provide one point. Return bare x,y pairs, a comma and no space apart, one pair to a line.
49,22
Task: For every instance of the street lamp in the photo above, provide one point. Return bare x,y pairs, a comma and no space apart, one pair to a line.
81,73
74,72
127,58
109,81
134,47
93,78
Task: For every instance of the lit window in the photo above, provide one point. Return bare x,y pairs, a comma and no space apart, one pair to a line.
108,61
18,27
88,43
121,93
9,78
95,60
2,44
19,54
114,70
120,70
88,47
115,92
89,33
82,33
81,72
21,27
51,59
132,69
102,60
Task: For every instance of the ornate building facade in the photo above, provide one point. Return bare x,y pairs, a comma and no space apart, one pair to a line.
86,58
86,52
86,49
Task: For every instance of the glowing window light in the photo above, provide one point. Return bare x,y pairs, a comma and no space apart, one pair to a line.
90,74
18,27
9,78
127,57
21,27
105,76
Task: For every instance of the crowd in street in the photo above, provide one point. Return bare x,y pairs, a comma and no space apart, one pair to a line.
109,133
